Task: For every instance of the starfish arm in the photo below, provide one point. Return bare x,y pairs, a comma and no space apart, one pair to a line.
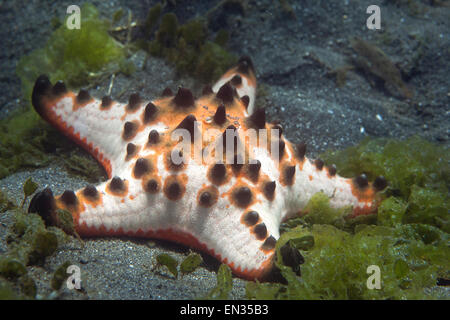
102,127
242,78
310,177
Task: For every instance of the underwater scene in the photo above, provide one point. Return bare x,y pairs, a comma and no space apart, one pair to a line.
225,150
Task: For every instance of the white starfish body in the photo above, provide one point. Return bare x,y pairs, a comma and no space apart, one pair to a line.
231,211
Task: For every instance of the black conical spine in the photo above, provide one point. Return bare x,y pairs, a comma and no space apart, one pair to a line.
188,123
153,137
226,93
59,88
133,101
83,96
361,181
301,151
106,102
289,173
258,119
184,98
220,117
245,101
269,189
150,112
319,164
380,183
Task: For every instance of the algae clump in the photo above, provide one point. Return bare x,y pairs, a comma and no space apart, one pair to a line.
187,46
224,284
22,143
408,239
60,276
391,211
5,203
418,173
6,291
74,55
167,260
190,263
319,204
30,242
84,166
336,266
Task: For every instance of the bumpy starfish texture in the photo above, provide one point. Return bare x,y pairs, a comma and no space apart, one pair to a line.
231,210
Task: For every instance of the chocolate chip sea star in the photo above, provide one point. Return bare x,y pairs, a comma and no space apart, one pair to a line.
231,209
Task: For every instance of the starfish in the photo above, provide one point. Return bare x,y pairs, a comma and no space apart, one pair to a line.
229,209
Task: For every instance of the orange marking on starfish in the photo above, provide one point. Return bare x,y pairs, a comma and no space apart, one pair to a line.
366,194
119,193
93,202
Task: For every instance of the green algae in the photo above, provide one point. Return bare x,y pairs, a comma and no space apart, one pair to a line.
84,166
323,213
29,187
152,18
408,239
44,245
11,268
418,173
60,275
428,206
318,211
302,243
263,291
30,242
23,141
391,212
14,274
169,262
27,286
64,221
76,56
222,37
336,266
6,291
166,36
213,61
224,284
5,203
187,46
190,263
117,16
